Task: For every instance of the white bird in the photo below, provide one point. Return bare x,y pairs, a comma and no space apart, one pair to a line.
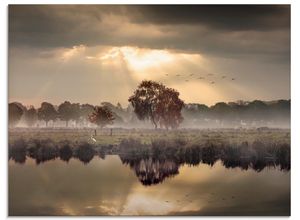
93,139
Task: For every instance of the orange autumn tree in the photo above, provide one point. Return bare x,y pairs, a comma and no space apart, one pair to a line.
155,102
169,108
101,116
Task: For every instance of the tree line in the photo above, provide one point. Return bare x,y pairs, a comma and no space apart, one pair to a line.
155,103
66,112
241,113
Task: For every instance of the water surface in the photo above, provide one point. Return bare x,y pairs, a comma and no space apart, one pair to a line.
115,186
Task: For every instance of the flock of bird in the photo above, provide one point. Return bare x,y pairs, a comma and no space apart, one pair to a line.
209,75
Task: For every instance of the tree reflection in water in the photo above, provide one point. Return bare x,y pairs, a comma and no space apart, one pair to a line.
150,170
154,170
153,164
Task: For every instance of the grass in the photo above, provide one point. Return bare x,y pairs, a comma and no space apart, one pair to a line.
147,136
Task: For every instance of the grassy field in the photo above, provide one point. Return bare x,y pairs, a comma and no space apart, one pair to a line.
147,136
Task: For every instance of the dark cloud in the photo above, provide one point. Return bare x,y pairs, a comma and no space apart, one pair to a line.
222,30
228,17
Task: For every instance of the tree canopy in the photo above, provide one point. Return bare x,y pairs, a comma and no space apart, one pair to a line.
155,102
101,116
47,112
31,116
69,111
165,107
15,113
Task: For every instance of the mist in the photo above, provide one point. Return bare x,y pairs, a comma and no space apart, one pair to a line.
241,114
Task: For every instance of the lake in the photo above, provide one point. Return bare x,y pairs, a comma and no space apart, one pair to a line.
120,185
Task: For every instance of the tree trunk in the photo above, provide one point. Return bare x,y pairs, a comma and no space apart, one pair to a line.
111,132
46,123
67,123
95,131
153,121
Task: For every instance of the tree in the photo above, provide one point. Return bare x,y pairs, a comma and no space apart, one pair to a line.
117,111
101,116
31,116
169,108
196,111
144,100
15,113
47,112
64,112
85,111
21,106
257,110
75,115
222,111
157,103
69,111
281,109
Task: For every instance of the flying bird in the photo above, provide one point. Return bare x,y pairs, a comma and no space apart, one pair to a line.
233,79
186,80
166,74
210,74
201,78
223,77
192,74
178,75
212,82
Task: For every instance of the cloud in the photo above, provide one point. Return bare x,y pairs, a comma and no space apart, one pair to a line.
226,17
109,49
218,30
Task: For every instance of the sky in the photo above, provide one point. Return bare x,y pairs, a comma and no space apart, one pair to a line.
96,53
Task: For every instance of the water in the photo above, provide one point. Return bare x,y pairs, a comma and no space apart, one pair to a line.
114,186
